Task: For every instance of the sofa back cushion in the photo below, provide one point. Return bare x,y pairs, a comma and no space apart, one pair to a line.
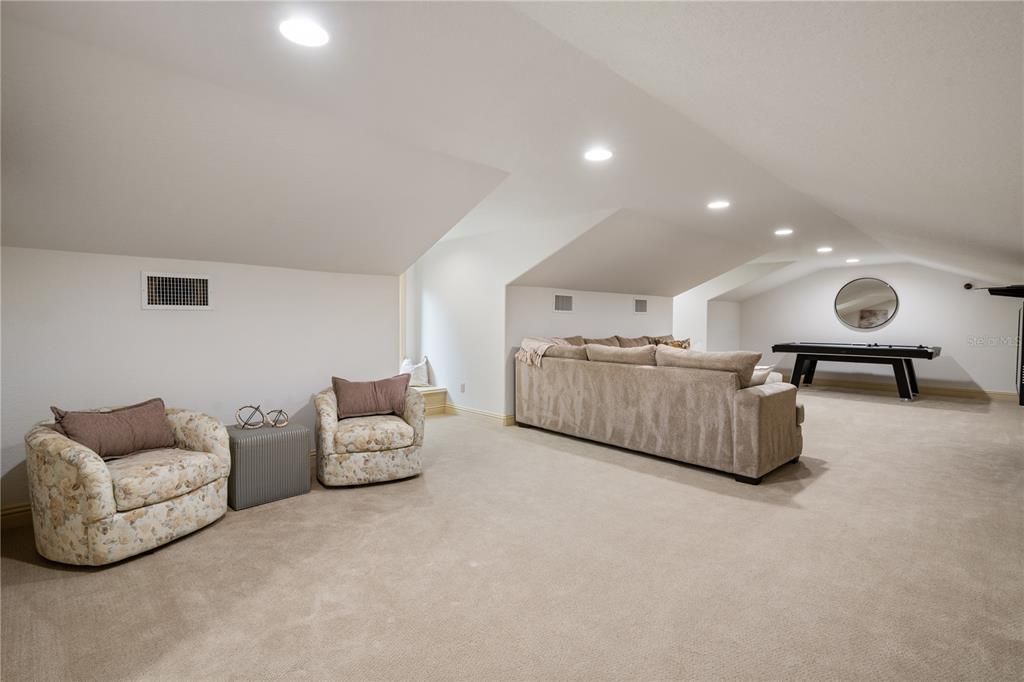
567,352
366,398
740,362
572,340
118,432
641,355
635,342
609,341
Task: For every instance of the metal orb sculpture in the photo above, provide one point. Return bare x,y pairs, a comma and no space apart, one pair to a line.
277,418
249,417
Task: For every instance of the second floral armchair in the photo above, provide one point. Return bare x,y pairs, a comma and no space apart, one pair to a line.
373,449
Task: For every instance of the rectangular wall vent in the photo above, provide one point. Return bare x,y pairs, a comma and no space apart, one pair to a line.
563,303
167,291
639,305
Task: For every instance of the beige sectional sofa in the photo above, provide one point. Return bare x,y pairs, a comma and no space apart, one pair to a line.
698,416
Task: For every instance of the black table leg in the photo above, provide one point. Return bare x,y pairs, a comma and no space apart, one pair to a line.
902,380
911,375
812,365
798,370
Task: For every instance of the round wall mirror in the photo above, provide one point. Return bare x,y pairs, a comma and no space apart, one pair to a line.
866,303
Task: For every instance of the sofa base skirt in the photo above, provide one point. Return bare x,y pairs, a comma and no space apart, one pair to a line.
751,480
359,468
126,534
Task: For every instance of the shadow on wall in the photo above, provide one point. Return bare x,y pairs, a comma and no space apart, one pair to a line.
510,380
14,483
306,415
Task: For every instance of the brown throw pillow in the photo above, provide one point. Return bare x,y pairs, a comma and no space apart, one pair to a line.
610,341
741,362
636,342
642,355
684,343
567,352
658,340
116,433
365,398
574,340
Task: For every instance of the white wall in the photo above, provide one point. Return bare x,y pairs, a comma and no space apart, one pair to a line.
455,303
977,332
74,335
723,320
690,309
455,315
529,311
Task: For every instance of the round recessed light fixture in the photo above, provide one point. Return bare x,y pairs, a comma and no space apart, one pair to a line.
304,32
783,231
597,154
718,204
824,249
853,260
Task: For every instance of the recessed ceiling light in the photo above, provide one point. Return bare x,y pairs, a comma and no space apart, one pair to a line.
824,249
304,32
598,154
718,204
783,231
853,260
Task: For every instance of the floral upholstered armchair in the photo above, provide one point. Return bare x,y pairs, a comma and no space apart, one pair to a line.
361,450
88,511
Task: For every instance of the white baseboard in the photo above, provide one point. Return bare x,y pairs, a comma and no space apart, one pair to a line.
926,389
503,419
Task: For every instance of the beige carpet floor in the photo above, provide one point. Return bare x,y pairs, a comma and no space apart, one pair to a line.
893,550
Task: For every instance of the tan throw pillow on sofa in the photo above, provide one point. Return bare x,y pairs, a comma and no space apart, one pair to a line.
642,355
567,352
366,398
119,432
682,343
658,340
573,340
740,362
636,342
610,341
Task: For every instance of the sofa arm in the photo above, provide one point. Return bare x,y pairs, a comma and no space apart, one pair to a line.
765,430
199,432
69,484
326,404
414,414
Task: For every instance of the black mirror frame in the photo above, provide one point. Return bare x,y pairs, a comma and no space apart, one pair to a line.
835,305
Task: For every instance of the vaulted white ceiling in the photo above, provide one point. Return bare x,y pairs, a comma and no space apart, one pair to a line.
106,152
903,118
193,130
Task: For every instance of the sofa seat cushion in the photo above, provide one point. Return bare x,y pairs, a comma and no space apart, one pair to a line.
373,434
154,476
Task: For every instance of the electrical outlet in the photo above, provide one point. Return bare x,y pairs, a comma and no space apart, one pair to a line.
462,388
